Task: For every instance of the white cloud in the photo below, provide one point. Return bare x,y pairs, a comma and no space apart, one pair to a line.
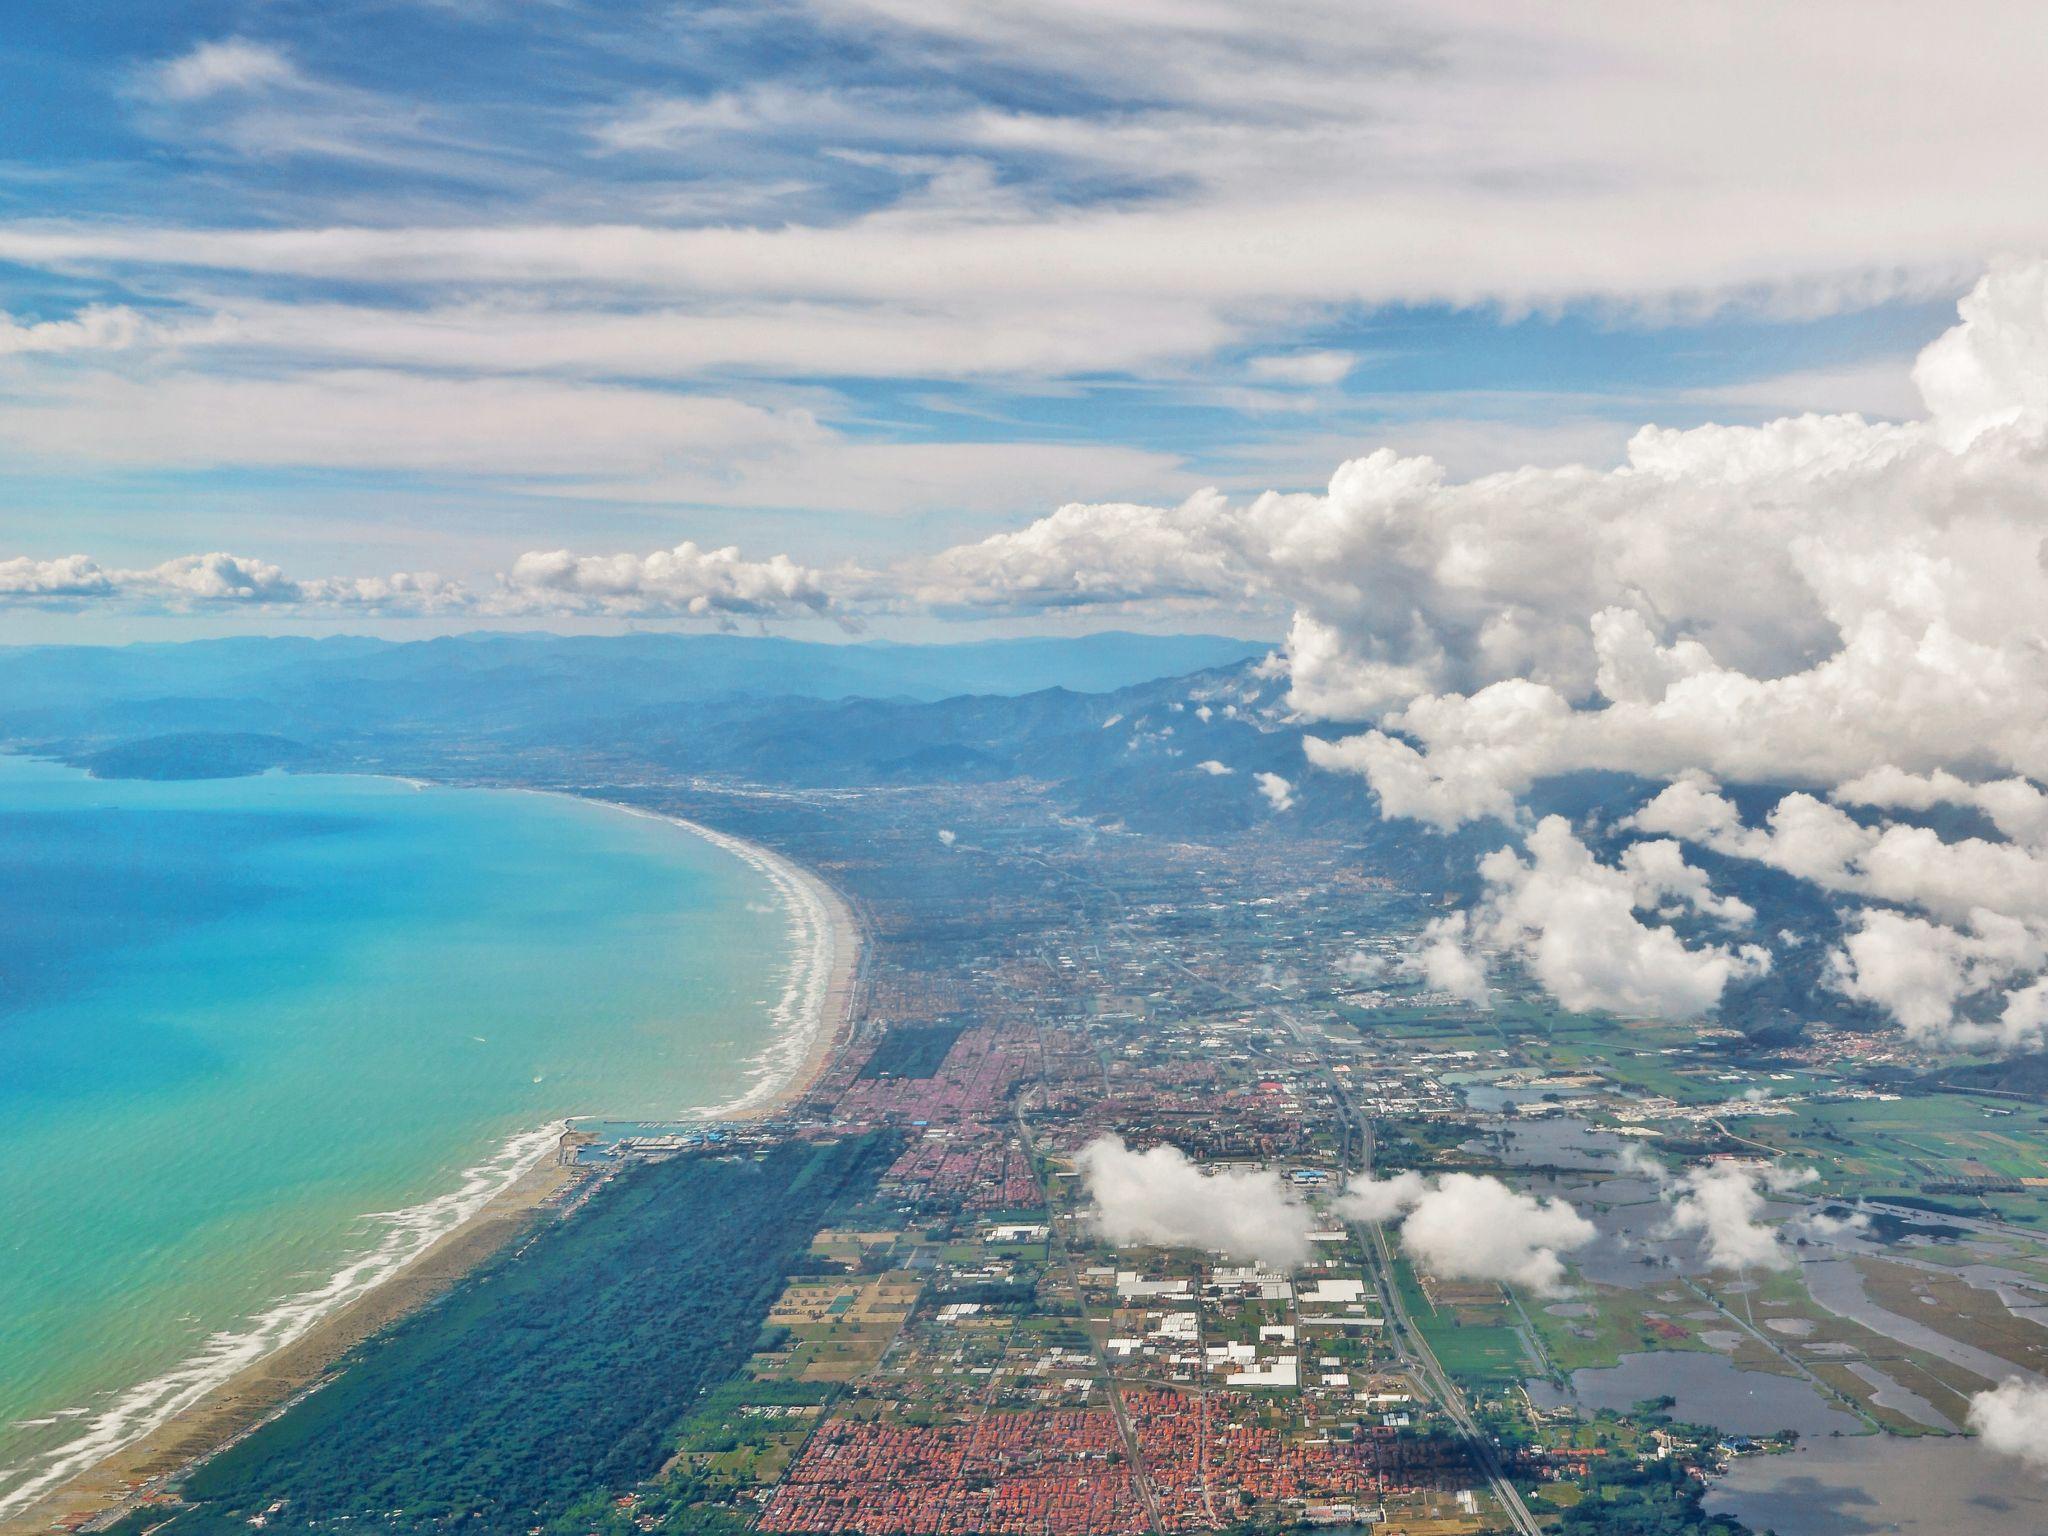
1882,389
686,581
1990,898
1807,601
188,583
1817,601
2016,808
1324,367
373,420
232,64
1820,843
1091,556
1453,155
1369,1199
1722,1204
2012,1417
1279,792
70,576
1002,336
1663,879
1161,1197
1214,769
1462,156
1445,962
1572,921
96,328
1363,965
1463,1226
603,441
1924,974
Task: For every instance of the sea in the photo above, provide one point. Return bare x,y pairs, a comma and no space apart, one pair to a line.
262,1039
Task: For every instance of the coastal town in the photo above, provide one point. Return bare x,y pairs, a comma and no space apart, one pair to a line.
978,1354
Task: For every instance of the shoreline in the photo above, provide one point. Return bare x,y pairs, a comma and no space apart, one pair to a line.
815,1011
226,1410
811,1022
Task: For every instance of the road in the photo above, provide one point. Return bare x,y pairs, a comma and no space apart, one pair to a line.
1056,1250
1356,1137
1355,1151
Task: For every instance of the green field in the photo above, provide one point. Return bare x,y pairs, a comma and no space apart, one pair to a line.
1472,1351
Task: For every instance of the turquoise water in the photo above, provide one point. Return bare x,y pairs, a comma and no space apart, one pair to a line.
237,1017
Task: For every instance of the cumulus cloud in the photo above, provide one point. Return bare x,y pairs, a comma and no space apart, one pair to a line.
1370,1199
2012,1417
1820,843
1463,1226
1445,961
1988,899
1214,769
1279,792
1722,1204
70,576
1810,600
1924,974
1085,556
2018,809
1363,965
1837,606
686,580
217,580
1160,1196
1573,922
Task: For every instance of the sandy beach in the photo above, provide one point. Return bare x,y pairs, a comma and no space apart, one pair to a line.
811,1020
251,1396
814,1014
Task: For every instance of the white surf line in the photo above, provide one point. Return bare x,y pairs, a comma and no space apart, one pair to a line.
147,1406
799,1014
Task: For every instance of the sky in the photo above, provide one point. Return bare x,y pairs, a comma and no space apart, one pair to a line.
351,308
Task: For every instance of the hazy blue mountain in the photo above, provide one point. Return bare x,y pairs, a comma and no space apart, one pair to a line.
325,688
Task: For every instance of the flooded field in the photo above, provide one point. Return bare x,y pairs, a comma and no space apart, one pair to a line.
1882,1484
1708,1390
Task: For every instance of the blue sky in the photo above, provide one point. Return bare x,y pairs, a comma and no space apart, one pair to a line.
424,285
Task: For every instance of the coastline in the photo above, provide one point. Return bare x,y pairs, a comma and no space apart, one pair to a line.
226,1410
814,1015
212,1409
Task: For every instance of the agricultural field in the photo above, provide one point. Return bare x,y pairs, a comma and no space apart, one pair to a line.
1471,1329
836,1328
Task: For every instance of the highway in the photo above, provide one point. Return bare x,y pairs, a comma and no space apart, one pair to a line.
1412,1345
1355,1151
